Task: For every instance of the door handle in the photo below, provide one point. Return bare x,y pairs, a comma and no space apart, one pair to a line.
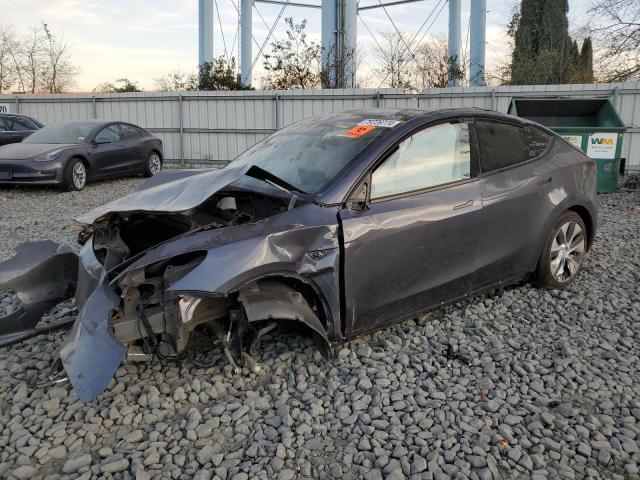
545,181
466,204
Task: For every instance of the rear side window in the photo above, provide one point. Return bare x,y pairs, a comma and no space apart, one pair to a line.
17,124
108,134
129,131
503,145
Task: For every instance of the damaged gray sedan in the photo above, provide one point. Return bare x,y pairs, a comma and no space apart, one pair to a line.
339,225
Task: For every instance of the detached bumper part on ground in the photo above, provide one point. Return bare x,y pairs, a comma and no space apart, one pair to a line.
41,275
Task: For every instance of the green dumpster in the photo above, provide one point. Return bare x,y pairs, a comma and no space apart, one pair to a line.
591,124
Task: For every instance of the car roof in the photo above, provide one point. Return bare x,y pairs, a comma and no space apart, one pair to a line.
411,113
15,115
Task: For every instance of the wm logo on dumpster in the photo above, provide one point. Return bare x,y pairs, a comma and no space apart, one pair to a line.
601,141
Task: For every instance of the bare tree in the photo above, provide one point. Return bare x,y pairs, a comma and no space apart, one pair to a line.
294,62
58,74
33,52
121,85
432,66
340,65
616,28
177,81
35,62
8,67
393,61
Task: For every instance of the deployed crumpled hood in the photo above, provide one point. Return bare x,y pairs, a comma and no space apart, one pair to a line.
23,151
174,196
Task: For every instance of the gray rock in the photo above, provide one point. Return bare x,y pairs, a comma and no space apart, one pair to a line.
116,466
74,464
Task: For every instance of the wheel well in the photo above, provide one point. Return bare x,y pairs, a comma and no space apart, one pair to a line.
588,222
310,293
158,152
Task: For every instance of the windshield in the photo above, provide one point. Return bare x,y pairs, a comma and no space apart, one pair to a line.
74,132
309,154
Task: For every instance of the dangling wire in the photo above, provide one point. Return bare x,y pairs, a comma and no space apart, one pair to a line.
224,42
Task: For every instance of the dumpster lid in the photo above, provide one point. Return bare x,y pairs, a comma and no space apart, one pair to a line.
567,112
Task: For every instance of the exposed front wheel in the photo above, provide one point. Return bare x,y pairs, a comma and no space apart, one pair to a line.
154,164
563,253
76,175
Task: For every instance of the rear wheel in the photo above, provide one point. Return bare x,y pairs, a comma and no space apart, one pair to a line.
563,253
154,164
75,175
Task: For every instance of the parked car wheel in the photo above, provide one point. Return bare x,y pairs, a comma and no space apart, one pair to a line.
154,164
563,253
76,175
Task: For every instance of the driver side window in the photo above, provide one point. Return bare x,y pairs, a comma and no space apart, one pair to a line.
108,134
434,156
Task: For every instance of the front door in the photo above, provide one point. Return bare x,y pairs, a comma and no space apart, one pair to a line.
413,246
107,152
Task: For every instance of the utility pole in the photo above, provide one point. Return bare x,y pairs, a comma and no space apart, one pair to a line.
246,57
339,41
454,43
205,31
478,42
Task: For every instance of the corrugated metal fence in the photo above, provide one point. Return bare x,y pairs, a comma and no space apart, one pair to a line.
213,127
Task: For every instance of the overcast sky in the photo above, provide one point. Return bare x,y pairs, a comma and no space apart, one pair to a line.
143,39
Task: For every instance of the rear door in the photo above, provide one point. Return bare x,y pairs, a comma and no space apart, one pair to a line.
134,138
413,247
516,182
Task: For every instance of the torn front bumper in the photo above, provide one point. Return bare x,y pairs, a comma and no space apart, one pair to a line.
90,354
41,274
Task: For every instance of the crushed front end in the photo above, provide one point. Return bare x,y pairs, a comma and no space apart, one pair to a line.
147,279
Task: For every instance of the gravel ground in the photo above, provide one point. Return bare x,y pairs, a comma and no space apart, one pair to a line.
532,384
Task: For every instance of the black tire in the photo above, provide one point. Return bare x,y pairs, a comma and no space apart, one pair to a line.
151,166
563,253
72,180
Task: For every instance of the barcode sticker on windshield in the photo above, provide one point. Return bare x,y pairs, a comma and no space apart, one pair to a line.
378,122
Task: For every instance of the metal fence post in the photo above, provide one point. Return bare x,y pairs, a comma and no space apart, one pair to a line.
93,103
494,105
276,111
17,104
378,99
180,120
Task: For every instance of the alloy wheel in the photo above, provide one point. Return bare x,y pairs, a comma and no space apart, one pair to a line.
79,176
155,164
567,252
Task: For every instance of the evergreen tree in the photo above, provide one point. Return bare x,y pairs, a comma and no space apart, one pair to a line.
586,61
544,52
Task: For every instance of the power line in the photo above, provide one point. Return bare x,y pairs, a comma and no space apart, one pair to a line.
394,25
275,23
369,30
224,42
418,32
425,22
264,22
426,31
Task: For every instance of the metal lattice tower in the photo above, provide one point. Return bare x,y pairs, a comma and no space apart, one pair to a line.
340,33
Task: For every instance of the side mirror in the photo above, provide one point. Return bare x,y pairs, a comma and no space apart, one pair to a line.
360,199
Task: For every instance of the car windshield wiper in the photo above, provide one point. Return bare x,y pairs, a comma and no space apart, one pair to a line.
261,174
